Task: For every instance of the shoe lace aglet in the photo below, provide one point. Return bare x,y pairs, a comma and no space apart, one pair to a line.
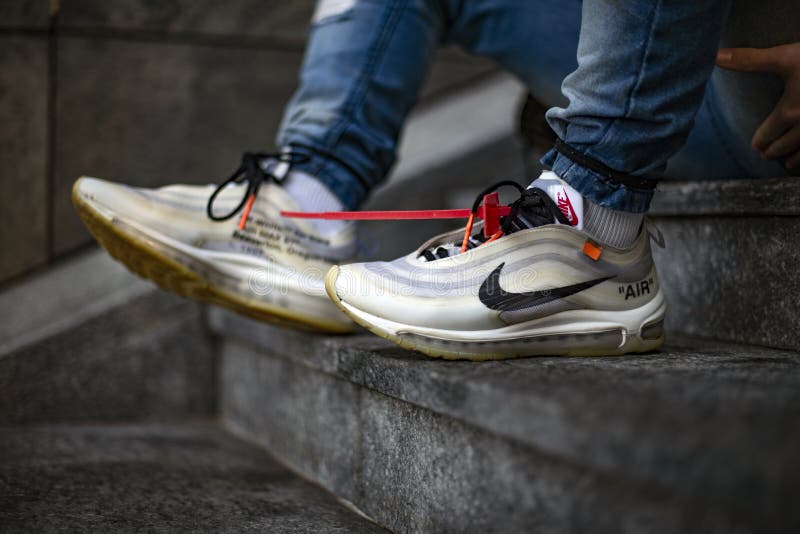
246,211
467,232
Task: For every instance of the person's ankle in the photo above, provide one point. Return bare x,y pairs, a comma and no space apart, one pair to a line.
607,226
313,195
611,227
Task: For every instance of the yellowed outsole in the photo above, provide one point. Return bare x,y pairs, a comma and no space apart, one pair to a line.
330,288
170,275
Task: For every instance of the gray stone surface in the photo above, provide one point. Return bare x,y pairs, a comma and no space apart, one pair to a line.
706,423
728,266
732,278
24,14
417,471
238,18
147,359
294,413
424,472
728,269
770,197
182,478
23,153
88,285
153,113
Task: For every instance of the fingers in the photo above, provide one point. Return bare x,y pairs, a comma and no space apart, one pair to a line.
774,126
752,59
778,137
785,145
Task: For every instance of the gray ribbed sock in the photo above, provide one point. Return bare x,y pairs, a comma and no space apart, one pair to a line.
610,227
312,195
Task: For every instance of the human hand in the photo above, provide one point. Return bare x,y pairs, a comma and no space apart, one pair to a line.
778,137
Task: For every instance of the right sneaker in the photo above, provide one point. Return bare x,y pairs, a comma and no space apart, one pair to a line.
539,286
272,268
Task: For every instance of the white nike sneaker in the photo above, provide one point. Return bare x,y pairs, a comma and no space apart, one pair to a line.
259,264
538,286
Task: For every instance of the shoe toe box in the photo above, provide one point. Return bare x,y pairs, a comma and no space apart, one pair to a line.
362,287
107,198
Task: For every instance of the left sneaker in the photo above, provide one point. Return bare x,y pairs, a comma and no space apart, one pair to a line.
539,286
257,262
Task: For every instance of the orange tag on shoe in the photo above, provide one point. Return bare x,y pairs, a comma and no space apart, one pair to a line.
592,249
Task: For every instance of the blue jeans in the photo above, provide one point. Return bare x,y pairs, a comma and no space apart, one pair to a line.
633,104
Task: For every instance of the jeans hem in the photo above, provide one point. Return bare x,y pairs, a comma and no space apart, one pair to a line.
597,188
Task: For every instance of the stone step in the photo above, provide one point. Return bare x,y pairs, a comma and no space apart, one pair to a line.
188,477
700,437
729,267
86,340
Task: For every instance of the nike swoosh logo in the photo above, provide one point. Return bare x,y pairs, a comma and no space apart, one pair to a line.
496,298
566,207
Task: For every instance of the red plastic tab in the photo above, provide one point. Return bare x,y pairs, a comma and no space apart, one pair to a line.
491,214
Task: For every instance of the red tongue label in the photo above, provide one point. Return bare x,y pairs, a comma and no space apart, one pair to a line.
491,214
562,200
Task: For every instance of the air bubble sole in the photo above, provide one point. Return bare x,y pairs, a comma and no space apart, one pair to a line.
142,259
608,342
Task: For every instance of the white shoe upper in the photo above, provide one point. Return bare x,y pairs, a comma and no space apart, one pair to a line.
518,278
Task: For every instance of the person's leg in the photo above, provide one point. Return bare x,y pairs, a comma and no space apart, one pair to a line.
521,37
364,65
538,42
534,40
642,71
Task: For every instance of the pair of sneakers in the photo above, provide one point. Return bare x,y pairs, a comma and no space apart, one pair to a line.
537,286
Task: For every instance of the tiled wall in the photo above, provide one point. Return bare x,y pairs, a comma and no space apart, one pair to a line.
141,91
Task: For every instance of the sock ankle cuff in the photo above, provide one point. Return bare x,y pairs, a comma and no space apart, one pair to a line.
312,195
618,229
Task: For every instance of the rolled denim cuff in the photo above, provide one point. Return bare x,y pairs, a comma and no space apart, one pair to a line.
598,188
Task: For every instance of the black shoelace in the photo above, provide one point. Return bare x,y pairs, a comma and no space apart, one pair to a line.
252,172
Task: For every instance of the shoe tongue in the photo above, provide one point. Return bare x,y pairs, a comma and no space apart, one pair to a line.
569,201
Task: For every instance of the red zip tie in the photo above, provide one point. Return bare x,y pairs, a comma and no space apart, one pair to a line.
393,215
490,211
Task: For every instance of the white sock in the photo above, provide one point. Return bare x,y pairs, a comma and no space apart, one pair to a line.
312,195
618,229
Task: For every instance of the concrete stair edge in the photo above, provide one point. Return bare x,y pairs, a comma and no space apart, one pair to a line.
86,340
722,440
